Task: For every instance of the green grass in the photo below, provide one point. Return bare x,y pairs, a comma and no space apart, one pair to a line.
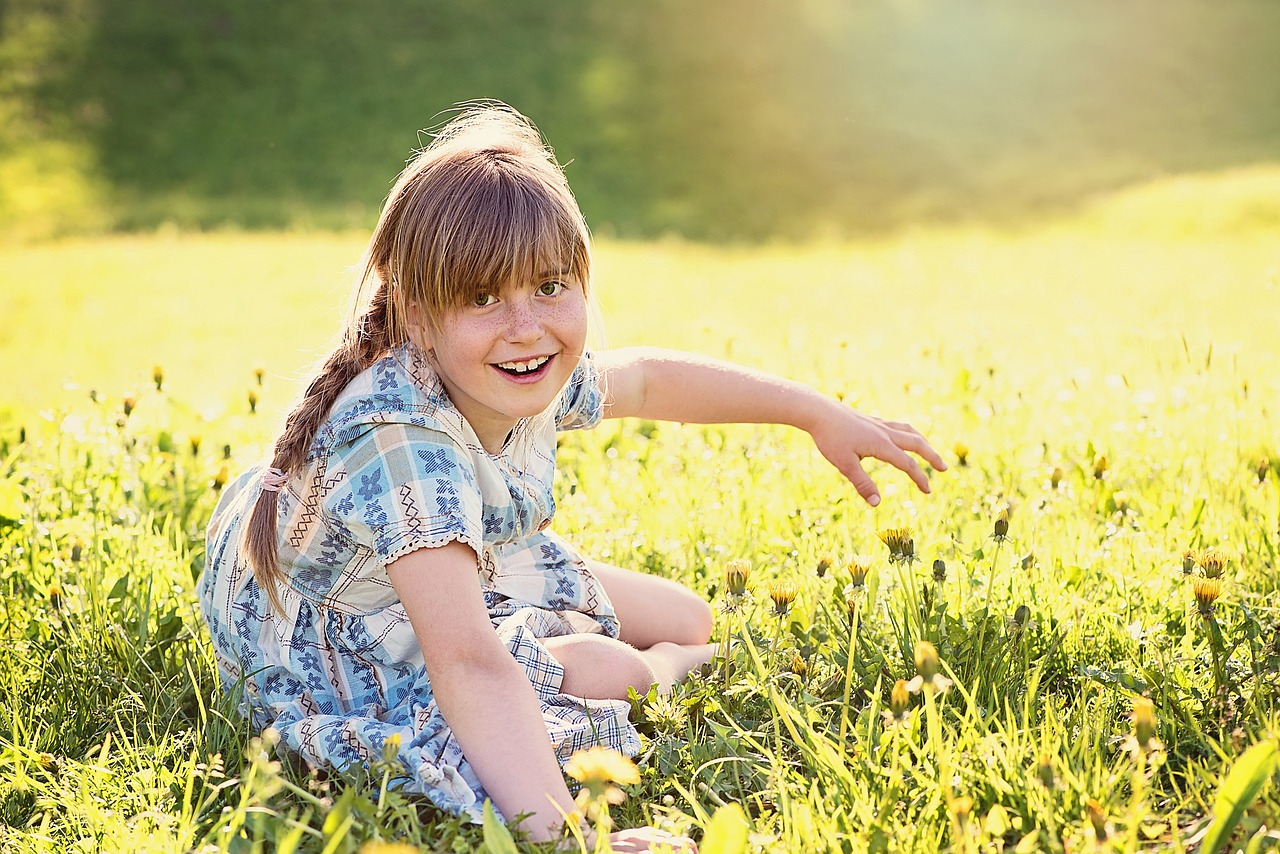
1142,331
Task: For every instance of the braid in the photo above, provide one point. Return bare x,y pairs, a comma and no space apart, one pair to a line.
363,343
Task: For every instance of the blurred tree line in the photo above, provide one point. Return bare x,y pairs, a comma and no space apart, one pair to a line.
715,119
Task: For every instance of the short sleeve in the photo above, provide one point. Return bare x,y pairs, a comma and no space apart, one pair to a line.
403,487
582,401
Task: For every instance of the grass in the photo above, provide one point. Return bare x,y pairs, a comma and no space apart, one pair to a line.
1140,332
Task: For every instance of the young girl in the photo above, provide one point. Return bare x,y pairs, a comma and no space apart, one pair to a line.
391,573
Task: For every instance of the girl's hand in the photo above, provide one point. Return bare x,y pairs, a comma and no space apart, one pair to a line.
845,437
638,839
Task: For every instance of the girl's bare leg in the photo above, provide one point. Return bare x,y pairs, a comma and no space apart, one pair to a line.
653,610
601,668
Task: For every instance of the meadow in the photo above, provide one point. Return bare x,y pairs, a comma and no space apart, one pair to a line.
1088,597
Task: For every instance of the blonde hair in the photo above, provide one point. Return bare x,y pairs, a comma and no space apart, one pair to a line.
483,205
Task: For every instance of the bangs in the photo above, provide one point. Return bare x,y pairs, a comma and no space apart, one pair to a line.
497,224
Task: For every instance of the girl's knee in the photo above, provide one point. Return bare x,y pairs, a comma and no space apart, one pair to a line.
601,668
696,620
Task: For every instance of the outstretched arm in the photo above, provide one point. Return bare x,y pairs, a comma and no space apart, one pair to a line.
671,386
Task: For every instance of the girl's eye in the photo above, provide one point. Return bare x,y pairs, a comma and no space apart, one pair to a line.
550,289
482,300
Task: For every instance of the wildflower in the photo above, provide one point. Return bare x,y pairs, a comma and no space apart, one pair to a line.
1213,562
378,846
253,402
258,374
1055,477
859,566
1206,592
961,450
157,376
1264,465
1144,723
1000,530
783,593
1044,770
55,597
926,658
1120,499
939,570
129,402
226,452
900,700
77,550
391,747
824,563
195,445
600,771
1028,560
1190,557
1100,466
1098,819
902,548
1020,622
961,807
220,479
799,666
736,574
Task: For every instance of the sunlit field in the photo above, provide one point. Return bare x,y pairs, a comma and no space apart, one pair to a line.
1089,596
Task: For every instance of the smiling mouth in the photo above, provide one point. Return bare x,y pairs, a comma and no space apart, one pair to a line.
518,369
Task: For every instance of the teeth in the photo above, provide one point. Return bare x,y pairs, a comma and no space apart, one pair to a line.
524,367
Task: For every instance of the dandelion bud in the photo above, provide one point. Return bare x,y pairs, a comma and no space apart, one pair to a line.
1213,562
77,551
1190,557
1044,770
902,547
1206,592
824,563
939,570
926,660
258,374
1028,560
1055,477
1098,819
859,566
157,376
1100,466
1000,530
736,573
220,479
226,452
961,808
253,402
1144,721
1264,465
799,666
195,445
1121,501
899,699
783,593
1021,614
129,403
22,435
391,747
961,450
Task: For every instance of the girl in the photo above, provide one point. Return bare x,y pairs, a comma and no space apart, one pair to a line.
390,573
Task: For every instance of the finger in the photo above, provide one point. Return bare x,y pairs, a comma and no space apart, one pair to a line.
862,482
900,459
911,440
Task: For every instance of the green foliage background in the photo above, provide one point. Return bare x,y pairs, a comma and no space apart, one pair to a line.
714,119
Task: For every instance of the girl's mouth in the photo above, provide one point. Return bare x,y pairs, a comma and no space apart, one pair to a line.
525,370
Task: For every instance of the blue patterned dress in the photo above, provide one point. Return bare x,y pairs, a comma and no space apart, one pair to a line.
396,468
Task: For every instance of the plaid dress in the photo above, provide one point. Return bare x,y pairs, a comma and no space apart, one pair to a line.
396,468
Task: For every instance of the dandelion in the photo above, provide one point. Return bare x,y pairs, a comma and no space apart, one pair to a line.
77,550
258,374
253,402
783,593
1028,560
1264,466
226,452
961,450
129,403
1190,557
902,548
899,700
157,376
1213,562
1120,499
195,445
391,747
600,771
1055,477
1000,530
1045,772
736,574
799,666
1020,622
939,570
1098,820
378,846
1206,591
220,479
824,563
927,675
859,566
1144,724
1100,466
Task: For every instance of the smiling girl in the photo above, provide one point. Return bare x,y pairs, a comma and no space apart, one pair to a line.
391,572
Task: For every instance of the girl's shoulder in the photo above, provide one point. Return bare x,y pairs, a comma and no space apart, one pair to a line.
400,388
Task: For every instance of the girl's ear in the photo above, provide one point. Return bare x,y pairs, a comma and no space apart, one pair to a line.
417,327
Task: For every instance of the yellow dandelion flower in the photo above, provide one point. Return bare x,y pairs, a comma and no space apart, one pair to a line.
824,563
902,546
1098,819
1100,466
1144,721
1213,562
1206,591
130,401
1000,529
859,566
961,450
899,699
736,574
157,376
926,656
783,593
600,771
1190,557
1055,477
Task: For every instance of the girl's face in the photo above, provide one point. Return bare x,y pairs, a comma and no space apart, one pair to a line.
507,355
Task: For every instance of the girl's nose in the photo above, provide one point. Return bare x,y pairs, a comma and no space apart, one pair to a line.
523,321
